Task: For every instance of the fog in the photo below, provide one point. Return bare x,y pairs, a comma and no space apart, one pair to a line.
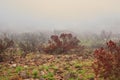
74,15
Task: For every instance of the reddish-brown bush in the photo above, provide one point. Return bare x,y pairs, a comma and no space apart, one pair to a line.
107,62
62,43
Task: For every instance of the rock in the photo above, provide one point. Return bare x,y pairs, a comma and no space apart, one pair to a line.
42,73
13,65
25,66
23,74
80,58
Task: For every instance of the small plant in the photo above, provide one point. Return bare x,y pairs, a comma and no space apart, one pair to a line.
46,68
49,76
19,69
35,73
71,79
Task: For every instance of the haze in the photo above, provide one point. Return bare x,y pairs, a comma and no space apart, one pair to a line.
75,15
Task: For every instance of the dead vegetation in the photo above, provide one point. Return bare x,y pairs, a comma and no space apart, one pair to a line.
62,57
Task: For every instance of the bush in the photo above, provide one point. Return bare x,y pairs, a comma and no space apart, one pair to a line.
5,43
107,62
30,42
62,43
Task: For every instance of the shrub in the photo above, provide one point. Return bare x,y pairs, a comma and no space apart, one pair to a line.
30,42
62,43
27,43
5,43
107,62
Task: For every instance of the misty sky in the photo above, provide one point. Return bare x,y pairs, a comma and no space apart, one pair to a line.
76,15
